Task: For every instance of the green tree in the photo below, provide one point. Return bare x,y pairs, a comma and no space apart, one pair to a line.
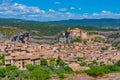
118,63
2,58
68,69
61,75
104,48
77,40
61,63
83,64
38,74
52,61
2,72
98,70
43,62
11,68
58,60
80,59
94,62
31,67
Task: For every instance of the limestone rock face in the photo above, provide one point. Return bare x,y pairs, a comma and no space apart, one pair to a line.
72,34
67,36
23,38
2,37
26,37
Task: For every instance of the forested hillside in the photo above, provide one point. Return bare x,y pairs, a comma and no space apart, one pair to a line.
52,28
39,30
90,22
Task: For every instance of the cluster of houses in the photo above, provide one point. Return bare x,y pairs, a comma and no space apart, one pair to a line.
20,54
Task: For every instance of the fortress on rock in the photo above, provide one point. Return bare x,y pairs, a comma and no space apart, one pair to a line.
71,34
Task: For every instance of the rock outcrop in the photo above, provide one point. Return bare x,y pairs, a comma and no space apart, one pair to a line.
23,37
77,67
67,36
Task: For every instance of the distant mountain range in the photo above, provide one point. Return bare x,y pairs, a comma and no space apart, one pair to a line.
17,20
39,30
90,22
73,22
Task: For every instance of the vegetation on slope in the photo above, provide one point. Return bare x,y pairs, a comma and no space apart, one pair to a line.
44,72
37,72
45,28
90,22
8,32
104,69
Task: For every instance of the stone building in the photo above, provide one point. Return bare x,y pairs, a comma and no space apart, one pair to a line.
21,59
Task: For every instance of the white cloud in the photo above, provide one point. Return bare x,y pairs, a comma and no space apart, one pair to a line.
17,10
79,8
32,15
57,3
49,16
95,14
72,8
106,12
51,10
69,14
20,9
63,9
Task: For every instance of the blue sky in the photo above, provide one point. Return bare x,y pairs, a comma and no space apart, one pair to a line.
51,10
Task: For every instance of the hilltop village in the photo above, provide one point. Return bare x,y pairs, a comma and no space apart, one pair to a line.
72,44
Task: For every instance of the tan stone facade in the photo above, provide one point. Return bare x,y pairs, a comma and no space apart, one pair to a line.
79,33
83,34
21,59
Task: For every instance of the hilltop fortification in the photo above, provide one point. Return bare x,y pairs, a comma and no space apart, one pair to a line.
71,34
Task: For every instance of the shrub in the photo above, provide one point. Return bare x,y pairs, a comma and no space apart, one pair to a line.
67,69
2,72
94,62
31,67
52,61
118,63
38,74
80,59
80,72
61,63
61,75
2,58
104,48
98,39
77,40
114,68
11,68
83,64
43,62
98,70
